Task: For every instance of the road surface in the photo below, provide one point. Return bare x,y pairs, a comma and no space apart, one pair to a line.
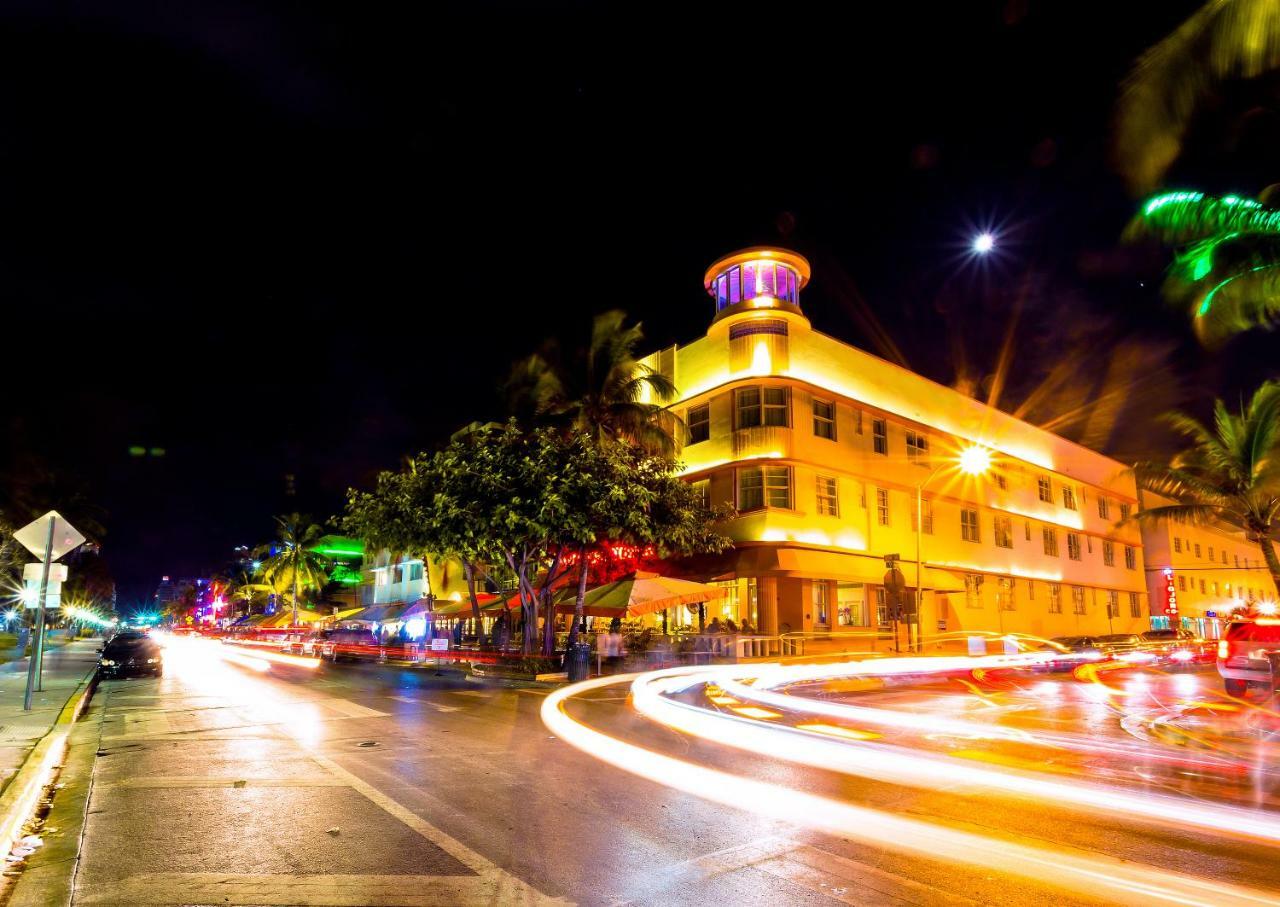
372,785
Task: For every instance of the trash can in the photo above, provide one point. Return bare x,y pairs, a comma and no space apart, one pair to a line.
577,661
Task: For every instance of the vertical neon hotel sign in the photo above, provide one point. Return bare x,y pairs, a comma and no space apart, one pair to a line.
1171,593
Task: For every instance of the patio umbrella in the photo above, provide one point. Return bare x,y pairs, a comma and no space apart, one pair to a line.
639,593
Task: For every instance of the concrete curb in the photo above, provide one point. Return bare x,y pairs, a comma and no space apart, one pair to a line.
22,795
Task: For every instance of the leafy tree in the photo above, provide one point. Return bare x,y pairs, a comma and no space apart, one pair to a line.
1224,41
1230,473
1226,268
295,566
604,391
248,588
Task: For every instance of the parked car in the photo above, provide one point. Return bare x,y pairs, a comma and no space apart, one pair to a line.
299,642
1249,653
130,653
1177,647
1069,652
346,642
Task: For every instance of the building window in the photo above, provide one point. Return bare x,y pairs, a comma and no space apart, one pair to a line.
1182,584
828,496
1197,549
1108,553
1050,536
1004,593
972,590
880,436
1177,545
764,486
1055,598
1202,587
1004,532
1068,497
1073,545
857,421
821,602
1027,528
1104,507
1001,482
883,619
1213,588
1237,561
1130,557
699,421
1210,552
702,488
761,406
851,605
1224,557
917,446
926,513
824,419
1031,590
1077,600
1113,603
1135,606
969,525
1046,490
882,506
1124,511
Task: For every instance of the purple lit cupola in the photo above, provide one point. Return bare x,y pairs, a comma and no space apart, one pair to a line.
755,279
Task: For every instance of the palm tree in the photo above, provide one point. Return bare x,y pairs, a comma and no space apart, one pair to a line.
247,587
1226,269
1223,41
1230,473
294,564
608,393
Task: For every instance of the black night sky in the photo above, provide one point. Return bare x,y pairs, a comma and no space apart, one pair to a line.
306,239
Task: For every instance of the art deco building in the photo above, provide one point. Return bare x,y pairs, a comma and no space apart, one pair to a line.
822,449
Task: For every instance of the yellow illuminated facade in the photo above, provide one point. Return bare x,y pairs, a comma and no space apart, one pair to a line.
1199,575
821,448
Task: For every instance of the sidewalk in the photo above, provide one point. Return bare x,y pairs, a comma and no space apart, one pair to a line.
64,668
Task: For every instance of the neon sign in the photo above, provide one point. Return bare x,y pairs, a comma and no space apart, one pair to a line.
1171,593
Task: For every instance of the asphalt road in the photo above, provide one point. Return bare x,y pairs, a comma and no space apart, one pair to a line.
371,785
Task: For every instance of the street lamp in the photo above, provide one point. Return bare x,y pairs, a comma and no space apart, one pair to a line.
983,243
974,460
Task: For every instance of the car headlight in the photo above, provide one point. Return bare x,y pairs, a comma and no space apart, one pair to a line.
1181,655
152,661
108,663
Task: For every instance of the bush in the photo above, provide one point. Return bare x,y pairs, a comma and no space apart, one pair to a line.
538,664
8,640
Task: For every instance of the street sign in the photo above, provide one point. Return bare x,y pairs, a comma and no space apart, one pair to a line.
891,559
31,573
893,579
35,536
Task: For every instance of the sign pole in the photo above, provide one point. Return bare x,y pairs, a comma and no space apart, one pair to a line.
34,667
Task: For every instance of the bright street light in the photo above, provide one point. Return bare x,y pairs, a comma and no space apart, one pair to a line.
975,460
984,243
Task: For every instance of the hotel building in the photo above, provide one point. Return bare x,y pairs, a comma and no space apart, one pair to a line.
827,452
1198,575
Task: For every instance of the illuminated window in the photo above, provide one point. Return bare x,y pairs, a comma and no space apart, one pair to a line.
699,421
1213,588
749,281
1003,532
775,406
969,525
765,284
1124,511
1104,507
917,446
747,400
1135,605
851,605
1108,553
735,285
1004,593
1077,600
824,419
882,506
1113,603
926,512
703,489
764,486
821,602
828,496
1130,557
1001,482
1046,490
1068,497
1202,587
1027,529
1210,552
1073,545
1197,549
972,590
1177,545
883,621
880,436
1055,598
722,291
1050,537
762,406
1182,584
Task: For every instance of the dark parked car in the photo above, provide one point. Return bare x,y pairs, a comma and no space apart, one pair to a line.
1069,652
130,653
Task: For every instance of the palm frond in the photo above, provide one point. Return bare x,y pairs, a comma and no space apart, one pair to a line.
1223,40
1180,484
1195,514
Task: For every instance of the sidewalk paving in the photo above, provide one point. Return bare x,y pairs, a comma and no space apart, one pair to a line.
65,668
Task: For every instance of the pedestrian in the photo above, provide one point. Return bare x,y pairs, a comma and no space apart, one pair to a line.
747,629
613,648
730,625
457,633
714,626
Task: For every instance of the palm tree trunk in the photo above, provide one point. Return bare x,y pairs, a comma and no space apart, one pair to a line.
1269,555
295,593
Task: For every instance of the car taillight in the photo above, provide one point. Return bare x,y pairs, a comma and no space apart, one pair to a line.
1224,649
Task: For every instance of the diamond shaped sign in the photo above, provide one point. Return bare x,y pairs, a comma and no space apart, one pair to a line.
35,535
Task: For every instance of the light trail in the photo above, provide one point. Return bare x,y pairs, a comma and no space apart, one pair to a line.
1092,875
